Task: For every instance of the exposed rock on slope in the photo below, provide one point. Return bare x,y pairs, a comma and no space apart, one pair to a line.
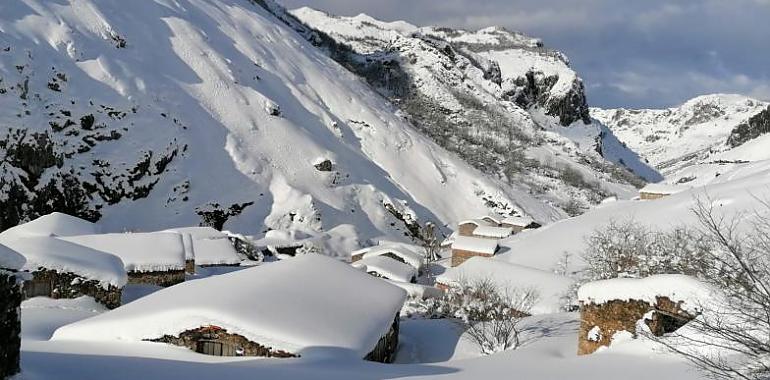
703,133
152,114
498,99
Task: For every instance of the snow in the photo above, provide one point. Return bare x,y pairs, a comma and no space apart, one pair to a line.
544,247
210,247
215,252
692,292
550,288
53,224
408,255
473,244
662,188
140,252
62,256
10,259
299,305
493,232
387,267
478,222
694,133
520,221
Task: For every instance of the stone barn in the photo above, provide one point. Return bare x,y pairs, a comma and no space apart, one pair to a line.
10,318
465,247
466,227
489,232
307,306
663,303
60,269
519,223
387,268
156,258
656,191
399,252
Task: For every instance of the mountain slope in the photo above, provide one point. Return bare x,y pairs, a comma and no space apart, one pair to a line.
498,99
703,133
153,114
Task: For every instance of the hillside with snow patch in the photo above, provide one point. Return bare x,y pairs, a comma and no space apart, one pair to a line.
498,99
149,115
696,141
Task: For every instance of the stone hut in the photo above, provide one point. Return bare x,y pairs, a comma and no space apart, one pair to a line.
466,227
398,252
489,232
60,269
656,191
10,318
660,304
156,258
266,318
519,223
388,268
465,247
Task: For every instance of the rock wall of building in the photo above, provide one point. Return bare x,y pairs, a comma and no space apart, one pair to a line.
192,339
459,256
69,285
164,279
385,350
600,322
10,325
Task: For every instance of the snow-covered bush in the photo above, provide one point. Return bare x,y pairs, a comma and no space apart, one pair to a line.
490,315
630,249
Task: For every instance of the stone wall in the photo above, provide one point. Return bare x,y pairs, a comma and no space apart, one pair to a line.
164,278
193,339
10,325
50,283
189,266
466,229
651,196
599,322
385,350
459,256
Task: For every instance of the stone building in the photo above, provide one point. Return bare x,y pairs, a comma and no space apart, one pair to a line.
59,269
519,223
10,319
156,258
466,227
296,307
465,247
656,191
663,303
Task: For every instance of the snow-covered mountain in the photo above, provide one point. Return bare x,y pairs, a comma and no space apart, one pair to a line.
152,114
697,139
499,99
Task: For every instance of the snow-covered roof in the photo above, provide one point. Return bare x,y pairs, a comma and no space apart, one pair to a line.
207,245
494,219
199,232
474,244
493,232
550,287
521,221
691,291
387,267
65,257
140,252
478,222
215,252
410,257
53,224
10,259
662,188
293,304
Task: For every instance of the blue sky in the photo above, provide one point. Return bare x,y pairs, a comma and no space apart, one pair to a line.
634,54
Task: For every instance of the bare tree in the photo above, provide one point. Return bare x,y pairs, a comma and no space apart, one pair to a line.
731,338
431,245
489,315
